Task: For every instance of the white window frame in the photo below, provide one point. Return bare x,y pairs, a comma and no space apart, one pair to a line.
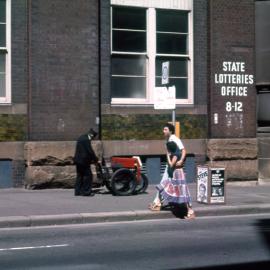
7,48
151,6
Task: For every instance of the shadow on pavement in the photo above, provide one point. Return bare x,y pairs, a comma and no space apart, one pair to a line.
243,266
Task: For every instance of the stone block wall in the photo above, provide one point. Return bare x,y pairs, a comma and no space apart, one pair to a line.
50,164
264,160
238,156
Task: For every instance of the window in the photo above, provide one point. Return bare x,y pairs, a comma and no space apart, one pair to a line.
142,38
5,96
172,46
129,53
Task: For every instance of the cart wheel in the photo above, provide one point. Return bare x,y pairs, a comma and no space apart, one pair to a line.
123,182
108,185
143,185
106,178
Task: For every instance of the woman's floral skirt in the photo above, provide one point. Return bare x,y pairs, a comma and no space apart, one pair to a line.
174,190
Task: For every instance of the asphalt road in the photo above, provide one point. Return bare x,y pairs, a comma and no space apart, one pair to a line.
204,243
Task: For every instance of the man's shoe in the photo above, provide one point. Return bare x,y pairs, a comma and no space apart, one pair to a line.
91,194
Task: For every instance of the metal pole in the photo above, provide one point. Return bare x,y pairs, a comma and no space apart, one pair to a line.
173,117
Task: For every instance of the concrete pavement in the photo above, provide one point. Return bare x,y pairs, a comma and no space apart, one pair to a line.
24,208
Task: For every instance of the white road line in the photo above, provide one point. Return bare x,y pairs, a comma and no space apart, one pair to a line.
37,247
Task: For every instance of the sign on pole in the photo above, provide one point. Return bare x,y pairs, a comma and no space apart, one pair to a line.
165,73
164,98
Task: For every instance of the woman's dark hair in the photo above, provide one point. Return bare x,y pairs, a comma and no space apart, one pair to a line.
171,146
170,127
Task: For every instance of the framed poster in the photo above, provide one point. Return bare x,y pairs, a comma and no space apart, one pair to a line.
217,185
202,184
210,185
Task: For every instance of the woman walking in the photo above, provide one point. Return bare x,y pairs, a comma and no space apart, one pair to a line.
173,188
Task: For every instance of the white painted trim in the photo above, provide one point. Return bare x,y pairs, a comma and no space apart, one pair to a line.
164,4
191,61
151,6
7,98
151,35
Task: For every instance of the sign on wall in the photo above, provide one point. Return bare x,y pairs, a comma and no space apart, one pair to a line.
233,81
232,100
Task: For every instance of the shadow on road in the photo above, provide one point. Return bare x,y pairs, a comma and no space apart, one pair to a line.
178,210
263,226
243,266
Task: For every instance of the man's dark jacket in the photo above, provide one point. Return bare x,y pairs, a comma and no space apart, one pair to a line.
84,154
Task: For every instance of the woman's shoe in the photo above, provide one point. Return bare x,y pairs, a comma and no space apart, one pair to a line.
190,214
154,207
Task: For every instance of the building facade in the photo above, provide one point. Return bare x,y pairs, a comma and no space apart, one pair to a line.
66,66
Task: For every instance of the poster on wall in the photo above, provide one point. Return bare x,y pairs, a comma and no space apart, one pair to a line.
217,185
202,184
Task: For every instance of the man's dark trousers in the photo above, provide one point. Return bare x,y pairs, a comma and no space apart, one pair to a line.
84,156
83,185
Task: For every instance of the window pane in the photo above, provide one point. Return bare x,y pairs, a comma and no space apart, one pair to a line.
128,65
128,87
2,75
2,62
178,66
129,18
180,85
127,41
2,85
2,35
172,21
2,11
172,44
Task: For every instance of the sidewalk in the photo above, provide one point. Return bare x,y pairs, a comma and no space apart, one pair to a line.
22,208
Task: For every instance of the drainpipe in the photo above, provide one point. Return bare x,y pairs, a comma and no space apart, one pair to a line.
99,68
29,63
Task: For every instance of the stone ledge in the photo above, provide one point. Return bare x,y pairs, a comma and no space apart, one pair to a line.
54,153
239,170
232,149
50,177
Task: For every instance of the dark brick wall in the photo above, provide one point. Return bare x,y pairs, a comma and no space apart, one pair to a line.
231,38
19,51
105,25
64,68
200,52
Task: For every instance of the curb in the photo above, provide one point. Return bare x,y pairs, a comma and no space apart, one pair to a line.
86,218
